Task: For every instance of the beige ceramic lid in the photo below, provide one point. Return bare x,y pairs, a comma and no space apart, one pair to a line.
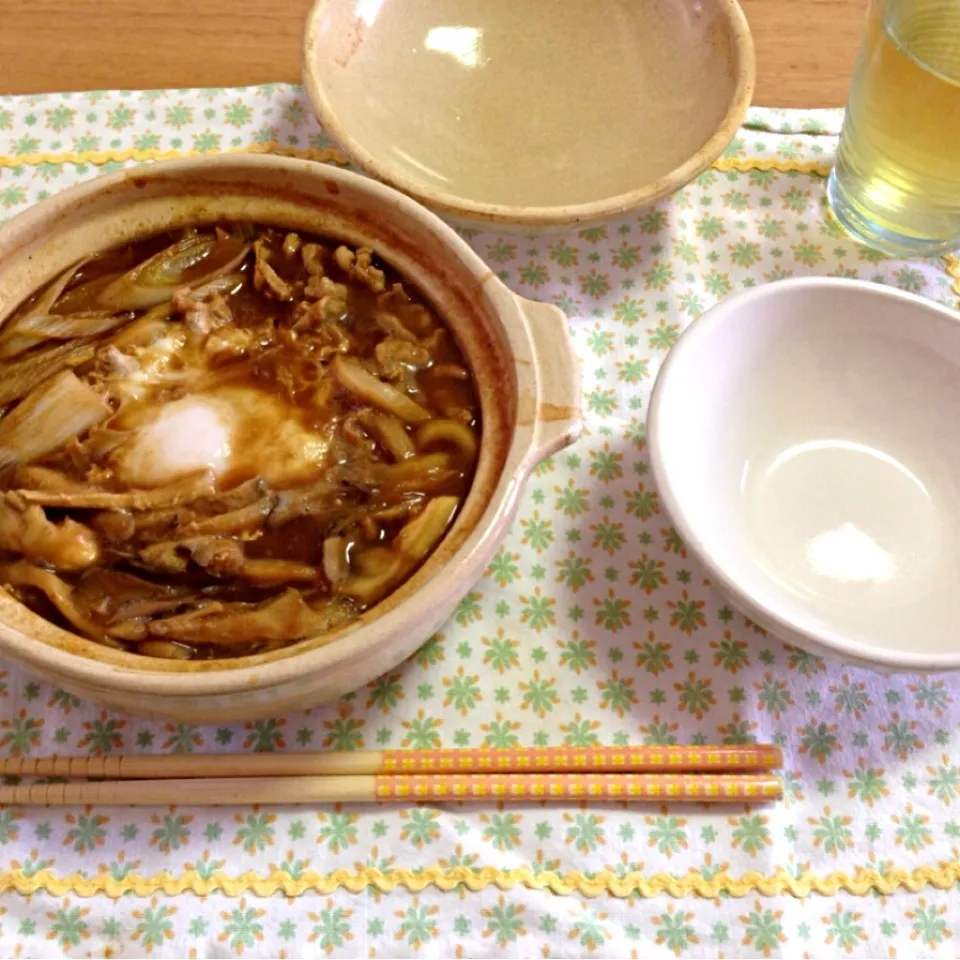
507,108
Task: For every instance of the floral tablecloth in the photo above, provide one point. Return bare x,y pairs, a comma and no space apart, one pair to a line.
591,625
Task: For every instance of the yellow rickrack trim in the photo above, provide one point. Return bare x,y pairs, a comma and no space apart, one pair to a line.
952,263
863,881
99,157
818,168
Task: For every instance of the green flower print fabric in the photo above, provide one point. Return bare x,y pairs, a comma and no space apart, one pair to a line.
591,625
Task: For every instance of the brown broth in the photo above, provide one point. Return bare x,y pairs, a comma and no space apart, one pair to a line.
289,336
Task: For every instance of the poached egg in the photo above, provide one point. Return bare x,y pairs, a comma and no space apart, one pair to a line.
238,432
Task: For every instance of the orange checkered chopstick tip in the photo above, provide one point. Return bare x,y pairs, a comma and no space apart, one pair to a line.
746,758
636,759
667,787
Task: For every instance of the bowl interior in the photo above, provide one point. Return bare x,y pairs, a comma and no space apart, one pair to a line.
533,104
806,444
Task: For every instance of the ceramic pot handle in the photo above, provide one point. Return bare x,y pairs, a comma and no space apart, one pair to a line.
557,418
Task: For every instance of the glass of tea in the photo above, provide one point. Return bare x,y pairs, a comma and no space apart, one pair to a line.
896,182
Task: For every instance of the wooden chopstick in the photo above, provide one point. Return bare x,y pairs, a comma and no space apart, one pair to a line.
638,759
669,787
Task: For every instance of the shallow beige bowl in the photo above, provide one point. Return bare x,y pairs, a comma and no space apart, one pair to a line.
530,112
523,366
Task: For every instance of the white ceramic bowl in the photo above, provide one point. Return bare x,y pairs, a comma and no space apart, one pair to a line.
803,436
530,113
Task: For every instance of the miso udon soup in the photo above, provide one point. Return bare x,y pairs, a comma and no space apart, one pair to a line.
220,441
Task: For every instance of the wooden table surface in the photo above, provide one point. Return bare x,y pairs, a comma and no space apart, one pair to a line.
805,48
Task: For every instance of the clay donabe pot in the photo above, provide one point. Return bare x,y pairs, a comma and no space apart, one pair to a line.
518,350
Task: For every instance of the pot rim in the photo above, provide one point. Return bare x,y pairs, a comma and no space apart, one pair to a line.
277,668
543,216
